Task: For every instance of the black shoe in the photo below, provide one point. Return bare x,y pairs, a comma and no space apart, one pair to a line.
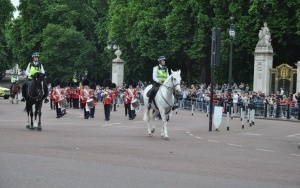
23,99
125,114
57,116
85,118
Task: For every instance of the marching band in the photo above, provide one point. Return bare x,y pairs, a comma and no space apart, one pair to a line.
85,96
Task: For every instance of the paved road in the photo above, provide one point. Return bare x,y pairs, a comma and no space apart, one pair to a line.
74,152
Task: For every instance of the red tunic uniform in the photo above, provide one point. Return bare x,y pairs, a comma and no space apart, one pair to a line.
107,96
84,95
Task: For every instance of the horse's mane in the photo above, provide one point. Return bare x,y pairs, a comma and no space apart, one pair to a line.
36,85
170,76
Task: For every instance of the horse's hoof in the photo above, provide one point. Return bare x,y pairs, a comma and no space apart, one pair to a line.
32,128
152,130
167,138
39,129
150,135
28,126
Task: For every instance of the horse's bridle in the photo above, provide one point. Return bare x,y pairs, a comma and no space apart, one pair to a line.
168,87
37,90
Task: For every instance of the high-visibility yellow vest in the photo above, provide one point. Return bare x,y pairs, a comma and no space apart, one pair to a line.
162,74
34,69
15,79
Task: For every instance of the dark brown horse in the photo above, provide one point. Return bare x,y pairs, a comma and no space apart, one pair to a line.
14,91
34,95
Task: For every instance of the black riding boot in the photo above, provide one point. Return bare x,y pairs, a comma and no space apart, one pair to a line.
150,98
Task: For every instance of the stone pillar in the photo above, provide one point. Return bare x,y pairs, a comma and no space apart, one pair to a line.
298,76
118,69
263,62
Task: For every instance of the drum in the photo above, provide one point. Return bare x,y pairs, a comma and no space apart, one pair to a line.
135,103
91,103
63,103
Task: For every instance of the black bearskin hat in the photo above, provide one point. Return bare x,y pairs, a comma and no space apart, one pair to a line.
130,82
107,83
85,82
57,82
93,86
134,84
63,84
52,85
113,85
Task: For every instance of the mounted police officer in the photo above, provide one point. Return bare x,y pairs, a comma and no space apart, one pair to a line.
14,80
33,67
159,75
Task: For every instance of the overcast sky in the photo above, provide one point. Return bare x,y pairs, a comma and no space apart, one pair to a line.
15,3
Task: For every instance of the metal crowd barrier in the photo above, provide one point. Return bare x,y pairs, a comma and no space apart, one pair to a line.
262,110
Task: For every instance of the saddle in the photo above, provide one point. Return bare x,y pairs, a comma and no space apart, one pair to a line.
152,91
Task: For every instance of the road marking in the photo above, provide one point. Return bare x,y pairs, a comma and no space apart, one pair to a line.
252,134
235,145
294,135
296,155
213,141
191,134
265,150
198,137
106,125
140,122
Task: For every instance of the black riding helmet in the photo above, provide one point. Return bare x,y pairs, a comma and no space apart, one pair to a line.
35,54
161,58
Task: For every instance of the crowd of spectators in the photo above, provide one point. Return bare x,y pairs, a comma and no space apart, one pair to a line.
240,95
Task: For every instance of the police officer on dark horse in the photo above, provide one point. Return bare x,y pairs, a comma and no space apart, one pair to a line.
32,68
35,90
14,88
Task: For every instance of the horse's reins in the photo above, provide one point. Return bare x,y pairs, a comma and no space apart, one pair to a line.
168,87
36,89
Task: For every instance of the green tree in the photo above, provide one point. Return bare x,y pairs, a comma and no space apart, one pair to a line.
66,50
6,9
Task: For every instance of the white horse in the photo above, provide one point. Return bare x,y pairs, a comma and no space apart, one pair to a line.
164,101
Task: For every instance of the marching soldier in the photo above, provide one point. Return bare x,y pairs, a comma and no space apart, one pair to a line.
107,98
84,96
93,96
52,98
126,101
114,96
57,96
131,92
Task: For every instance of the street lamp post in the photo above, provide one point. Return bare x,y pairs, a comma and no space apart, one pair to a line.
112,46
232,35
